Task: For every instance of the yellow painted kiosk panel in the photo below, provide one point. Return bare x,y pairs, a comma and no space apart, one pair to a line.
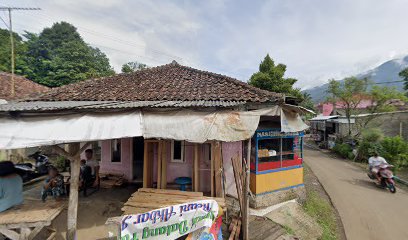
272,181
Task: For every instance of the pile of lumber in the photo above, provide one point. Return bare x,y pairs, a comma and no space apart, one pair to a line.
111,180
236,223
234,228
147,199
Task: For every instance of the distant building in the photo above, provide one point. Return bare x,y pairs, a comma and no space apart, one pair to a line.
329,109
23,87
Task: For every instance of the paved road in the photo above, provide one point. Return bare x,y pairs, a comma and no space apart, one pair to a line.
367,212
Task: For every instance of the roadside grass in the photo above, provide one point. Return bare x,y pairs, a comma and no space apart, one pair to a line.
289,230
321,210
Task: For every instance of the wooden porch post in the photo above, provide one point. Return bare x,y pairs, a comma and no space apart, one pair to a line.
196,174
164,165
159,164
218,169
245,211
145,164
73,195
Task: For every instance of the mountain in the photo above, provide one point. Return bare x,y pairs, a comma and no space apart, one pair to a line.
386,72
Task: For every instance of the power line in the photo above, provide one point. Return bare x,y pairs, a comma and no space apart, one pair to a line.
8,27
9,9
388,82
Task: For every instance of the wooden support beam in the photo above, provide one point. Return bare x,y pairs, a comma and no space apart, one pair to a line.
218,169
159,164
73,196
9,233
245,212
212,168
196,172
145,164
164,165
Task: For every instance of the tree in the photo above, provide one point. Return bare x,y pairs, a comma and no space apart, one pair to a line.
271,77
404,75
307,101
133,66
350,93
59,56
5,52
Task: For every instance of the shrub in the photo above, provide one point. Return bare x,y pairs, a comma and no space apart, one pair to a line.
395,151
369,144
60,163
343,149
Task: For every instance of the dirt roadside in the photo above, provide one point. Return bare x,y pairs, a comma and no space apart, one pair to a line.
313,185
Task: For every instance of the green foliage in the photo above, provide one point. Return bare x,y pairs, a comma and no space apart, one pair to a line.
351,156
321,210
369,144
55,57
59,163
343,149
307,101
271,77
395,151
133,66
353,91
404,75
5,52
350,92
289,230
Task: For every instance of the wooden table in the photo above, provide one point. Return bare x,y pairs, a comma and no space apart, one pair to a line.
27,220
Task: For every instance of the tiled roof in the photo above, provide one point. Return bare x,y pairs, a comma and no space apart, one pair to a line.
23,87
171,82
77,105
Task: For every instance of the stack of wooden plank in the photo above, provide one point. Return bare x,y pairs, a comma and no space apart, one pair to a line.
235,228
27,220
111,180
147,199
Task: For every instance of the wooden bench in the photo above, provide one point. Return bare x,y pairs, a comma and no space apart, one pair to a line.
27,220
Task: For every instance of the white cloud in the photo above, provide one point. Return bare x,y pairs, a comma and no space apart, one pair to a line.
317,40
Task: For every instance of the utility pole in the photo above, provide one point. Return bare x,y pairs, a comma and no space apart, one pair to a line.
9,9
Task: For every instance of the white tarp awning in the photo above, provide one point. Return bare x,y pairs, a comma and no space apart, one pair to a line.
200,126
35,131
227,126
190,125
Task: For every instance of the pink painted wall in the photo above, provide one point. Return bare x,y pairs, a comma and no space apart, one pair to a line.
174,169
125,166
185,169
229,150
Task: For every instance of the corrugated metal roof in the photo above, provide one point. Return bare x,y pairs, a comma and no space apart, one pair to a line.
66,105
322,118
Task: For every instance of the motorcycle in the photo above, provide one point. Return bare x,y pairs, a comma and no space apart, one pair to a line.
386,175
25,170
41,162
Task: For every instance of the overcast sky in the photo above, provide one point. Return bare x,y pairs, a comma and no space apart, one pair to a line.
316,39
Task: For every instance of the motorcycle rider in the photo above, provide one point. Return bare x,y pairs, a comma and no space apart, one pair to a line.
374,162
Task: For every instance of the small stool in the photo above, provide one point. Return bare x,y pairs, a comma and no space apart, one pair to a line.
183,181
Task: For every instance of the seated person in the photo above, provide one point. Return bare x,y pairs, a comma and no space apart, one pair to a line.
85,176
11,186
374,162
54,184
94,164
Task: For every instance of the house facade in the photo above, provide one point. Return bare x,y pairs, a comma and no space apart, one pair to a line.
186,125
